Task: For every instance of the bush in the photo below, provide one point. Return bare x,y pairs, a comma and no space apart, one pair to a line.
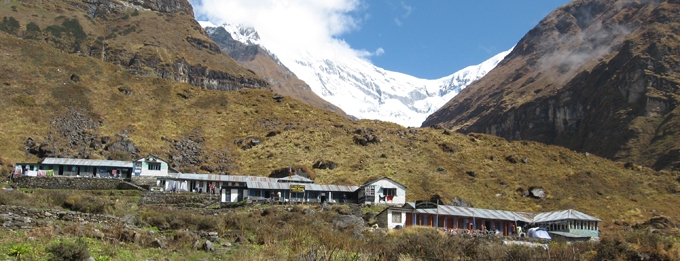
9,25
69,250
33,31
15,197
87,204
24,100
19,250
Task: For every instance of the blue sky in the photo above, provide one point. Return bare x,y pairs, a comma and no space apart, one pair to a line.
426,39
431,39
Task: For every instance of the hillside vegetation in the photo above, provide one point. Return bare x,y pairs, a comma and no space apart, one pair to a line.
248,132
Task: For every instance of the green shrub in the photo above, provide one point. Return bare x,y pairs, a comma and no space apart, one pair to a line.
24,100
15,198
33,31
103,258
135,13
87,204
19,250
69,250
9,25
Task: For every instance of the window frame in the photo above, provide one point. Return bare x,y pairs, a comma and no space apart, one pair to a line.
388,191
396,217
154,166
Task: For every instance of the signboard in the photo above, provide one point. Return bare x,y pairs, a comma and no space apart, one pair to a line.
422,204
138,168
297,188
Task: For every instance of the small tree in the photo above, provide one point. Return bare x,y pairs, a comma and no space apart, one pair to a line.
9,25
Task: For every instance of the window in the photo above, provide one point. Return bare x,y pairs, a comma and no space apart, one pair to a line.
154,166
370,190
390,191
396,217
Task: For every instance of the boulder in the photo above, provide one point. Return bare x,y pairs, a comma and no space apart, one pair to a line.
522,192
324,164
460,202
344,222
325,206
537,192
208,246
512,159
96,233
657,222
158,244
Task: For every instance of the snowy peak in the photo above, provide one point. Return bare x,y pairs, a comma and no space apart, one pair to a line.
241,33
366,91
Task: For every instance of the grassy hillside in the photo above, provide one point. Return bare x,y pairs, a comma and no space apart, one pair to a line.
165,41
212,131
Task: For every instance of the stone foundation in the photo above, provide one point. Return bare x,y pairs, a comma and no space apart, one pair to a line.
73,183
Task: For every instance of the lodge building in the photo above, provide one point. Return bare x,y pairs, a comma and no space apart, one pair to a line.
564,224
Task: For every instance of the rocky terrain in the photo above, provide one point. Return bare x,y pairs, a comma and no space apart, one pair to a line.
281,80
162,92
593,76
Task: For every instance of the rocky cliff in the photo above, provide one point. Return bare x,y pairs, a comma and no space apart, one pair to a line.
281,80
146,37
593,76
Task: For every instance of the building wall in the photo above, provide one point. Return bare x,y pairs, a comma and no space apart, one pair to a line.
144,170
399,199
585,232
584,228
395,218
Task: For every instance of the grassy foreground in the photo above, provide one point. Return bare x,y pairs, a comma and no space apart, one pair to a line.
264,232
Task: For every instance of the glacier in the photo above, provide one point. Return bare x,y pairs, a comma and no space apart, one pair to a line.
366,91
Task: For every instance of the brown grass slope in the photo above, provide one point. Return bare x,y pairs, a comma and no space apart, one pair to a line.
597,76
157,37
281,80
36,87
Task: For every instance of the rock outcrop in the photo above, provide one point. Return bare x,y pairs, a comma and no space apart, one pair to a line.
280,78
593,76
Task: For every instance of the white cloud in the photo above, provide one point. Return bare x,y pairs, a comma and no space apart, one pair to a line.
286,26
398,22
379,52
407,8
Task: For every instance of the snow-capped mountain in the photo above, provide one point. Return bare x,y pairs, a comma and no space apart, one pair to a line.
366,91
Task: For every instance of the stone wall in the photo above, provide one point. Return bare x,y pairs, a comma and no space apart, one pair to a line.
177,198
144,181
69,183
17,217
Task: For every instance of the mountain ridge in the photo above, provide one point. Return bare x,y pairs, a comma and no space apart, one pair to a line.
267,66
366,91
593,76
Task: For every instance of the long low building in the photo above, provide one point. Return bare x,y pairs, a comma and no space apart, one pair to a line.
568,224
235,188
143,169
153,171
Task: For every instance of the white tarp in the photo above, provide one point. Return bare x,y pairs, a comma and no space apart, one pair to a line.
537,232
